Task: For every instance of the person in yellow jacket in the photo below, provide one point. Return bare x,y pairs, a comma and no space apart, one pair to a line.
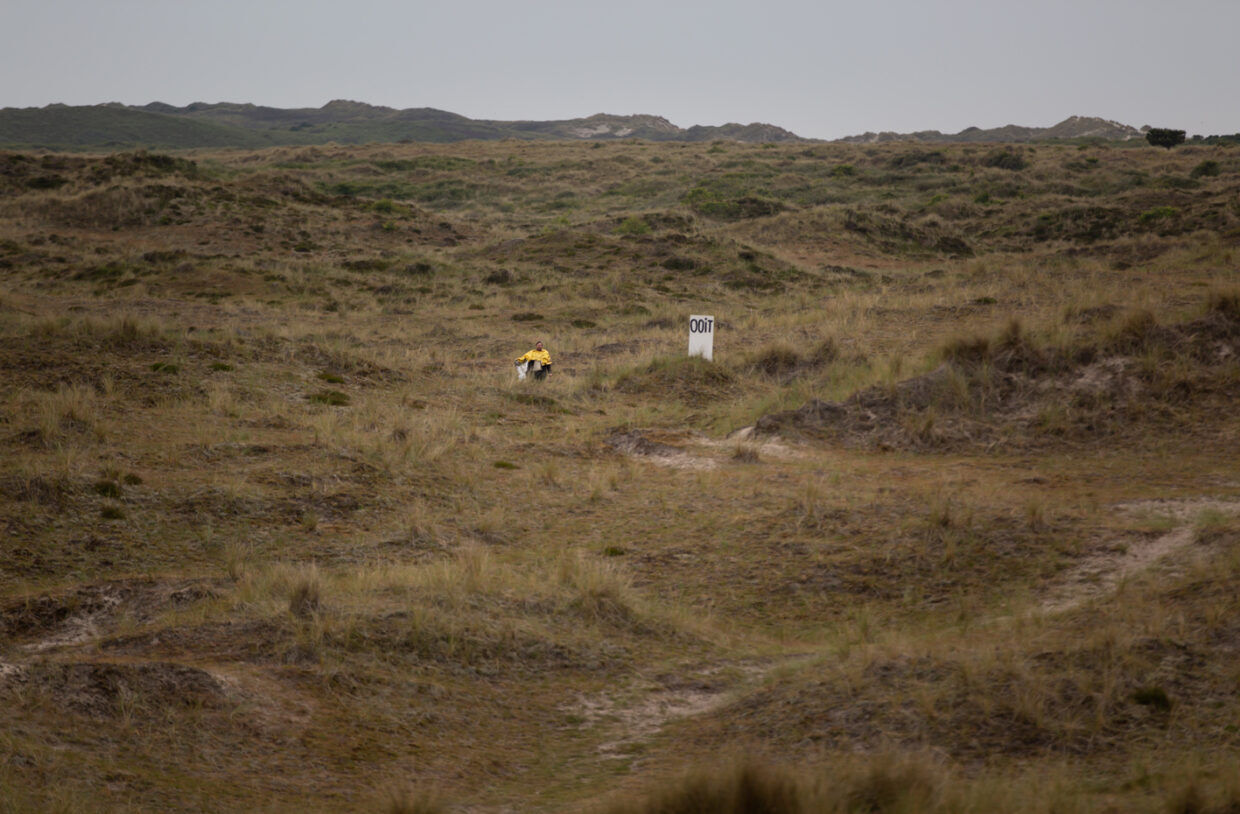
537,360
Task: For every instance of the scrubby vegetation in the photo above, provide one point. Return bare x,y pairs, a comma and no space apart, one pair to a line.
949,524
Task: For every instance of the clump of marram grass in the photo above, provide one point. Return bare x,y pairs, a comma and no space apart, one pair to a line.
885,782
744,453
333,398
304,599
71,411
742,788
1132,333
112,512
1212,527
782,361
874,783
599,591
1225,304
305,593
413,801
119,332
1012,349
691,379
274,588
776,361
107,488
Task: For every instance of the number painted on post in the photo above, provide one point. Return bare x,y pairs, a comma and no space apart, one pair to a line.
702,336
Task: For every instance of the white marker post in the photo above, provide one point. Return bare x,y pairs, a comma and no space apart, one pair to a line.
702,336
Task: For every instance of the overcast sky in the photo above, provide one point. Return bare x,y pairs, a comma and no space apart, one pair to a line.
821,69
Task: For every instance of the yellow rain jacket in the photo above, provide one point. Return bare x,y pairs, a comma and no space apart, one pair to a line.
541,356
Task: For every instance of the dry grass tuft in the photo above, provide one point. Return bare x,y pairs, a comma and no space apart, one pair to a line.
882,782
745,454
742,788
692,380
1226,304
412,801
305,597
600,591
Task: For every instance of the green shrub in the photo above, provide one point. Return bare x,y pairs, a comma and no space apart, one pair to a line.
1164,137
1226,304
367,264
535,400
1206,169
633,225
776,360
333,397
742,789
675,263
691,379
715,202
108,488
1158,213
1005,160
1153,697
916,157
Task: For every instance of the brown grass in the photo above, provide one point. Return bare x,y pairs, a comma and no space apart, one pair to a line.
532,597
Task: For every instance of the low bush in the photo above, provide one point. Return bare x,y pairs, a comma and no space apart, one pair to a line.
1005,160
776,361
873,783
108,488
692,379
633,225
1206,169
331,397
1158,213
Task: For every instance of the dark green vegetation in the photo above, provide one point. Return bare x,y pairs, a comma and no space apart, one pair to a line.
1164,137
952,524
157,125
202,125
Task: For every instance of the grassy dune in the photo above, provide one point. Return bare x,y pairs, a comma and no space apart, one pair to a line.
951,524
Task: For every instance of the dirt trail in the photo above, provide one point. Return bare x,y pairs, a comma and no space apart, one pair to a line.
637,713
1101,574
693,451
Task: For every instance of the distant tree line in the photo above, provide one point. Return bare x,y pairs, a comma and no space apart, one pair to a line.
1234,138
1167,137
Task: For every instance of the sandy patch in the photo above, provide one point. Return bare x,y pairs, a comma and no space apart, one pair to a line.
1101,574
